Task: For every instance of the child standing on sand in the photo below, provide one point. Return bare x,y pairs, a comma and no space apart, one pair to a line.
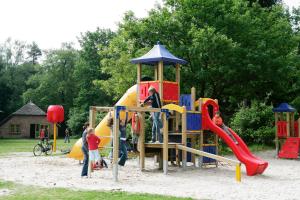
93,142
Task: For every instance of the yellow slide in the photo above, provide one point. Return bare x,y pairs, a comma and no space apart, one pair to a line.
102,130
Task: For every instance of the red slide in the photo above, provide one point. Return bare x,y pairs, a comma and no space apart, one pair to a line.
254,165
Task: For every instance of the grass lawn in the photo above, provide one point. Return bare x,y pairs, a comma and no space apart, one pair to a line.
26,145
21,192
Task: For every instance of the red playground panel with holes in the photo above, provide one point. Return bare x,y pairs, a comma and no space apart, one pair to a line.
170,90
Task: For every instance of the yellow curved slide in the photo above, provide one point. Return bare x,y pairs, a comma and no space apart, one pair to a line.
102,130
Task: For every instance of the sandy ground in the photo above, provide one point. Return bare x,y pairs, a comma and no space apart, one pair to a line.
281,180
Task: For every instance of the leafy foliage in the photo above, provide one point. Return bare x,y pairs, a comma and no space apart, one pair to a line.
255,124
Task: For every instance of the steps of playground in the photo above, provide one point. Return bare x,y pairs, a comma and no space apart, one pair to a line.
290,148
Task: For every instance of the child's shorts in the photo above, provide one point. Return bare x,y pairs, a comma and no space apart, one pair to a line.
94,155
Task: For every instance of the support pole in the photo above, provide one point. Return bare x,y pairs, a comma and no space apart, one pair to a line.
165,144
193,98
138,82
178,77
155,72
292,124
276,135
298,127
115,144
288,125
184,137
92,117
238,174
54,136
142,141
161,79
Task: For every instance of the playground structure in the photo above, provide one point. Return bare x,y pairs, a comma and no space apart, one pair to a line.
287,137
187,123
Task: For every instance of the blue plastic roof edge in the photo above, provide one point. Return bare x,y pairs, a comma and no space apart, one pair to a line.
284,107
156,54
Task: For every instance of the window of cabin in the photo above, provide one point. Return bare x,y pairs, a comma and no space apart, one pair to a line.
15,129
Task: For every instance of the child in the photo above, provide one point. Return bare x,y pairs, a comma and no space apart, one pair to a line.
217,119
93,142
122,141
155,103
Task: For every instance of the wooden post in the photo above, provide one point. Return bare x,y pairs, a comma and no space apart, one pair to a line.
142,141
115,145
193,98
92,117
155,72
178,77
200,159
276,136
292,124
177,121
288,125
138,81
165,144
161,79
184,137
298,127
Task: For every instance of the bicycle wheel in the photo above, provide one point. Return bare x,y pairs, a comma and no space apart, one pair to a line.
49,149
37,150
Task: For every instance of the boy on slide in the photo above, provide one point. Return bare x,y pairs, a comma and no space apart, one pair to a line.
217,119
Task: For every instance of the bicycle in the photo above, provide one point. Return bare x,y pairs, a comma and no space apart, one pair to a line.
42,147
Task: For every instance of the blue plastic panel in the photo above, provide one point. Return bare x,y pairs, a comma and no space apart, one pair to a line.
185,100
194,121
209,149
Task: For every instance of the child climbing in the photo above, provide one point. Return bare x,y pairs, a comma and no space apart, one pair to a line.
122,140
93,142
123,148
217,119
154,98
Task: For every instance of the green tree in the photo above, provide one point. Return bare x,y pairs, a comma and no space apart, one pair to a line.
87,70
34,52
54,83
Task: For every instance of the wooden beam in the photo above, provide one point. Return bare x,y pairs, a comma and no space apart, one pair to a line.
276,136
138,81
298,127
288,125
292,124
208,155
178,77
165,143
142,109
160,79
101,108
92,117
193,98
142,142
184,137
155,72
115,145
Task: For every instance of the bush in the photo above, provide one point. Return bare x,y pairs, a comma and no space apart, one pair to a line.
255,123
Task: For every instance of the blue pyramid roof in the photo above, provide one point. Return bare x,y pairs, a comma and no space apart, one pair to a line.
284,107
156,54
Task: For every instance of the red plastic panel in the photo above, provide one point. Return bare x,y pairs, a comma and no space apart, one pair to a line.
170,91
144,86
55,113
290,148
281,129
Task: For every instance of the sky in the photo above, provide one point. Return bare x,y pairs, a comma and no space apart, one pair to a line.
52,22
